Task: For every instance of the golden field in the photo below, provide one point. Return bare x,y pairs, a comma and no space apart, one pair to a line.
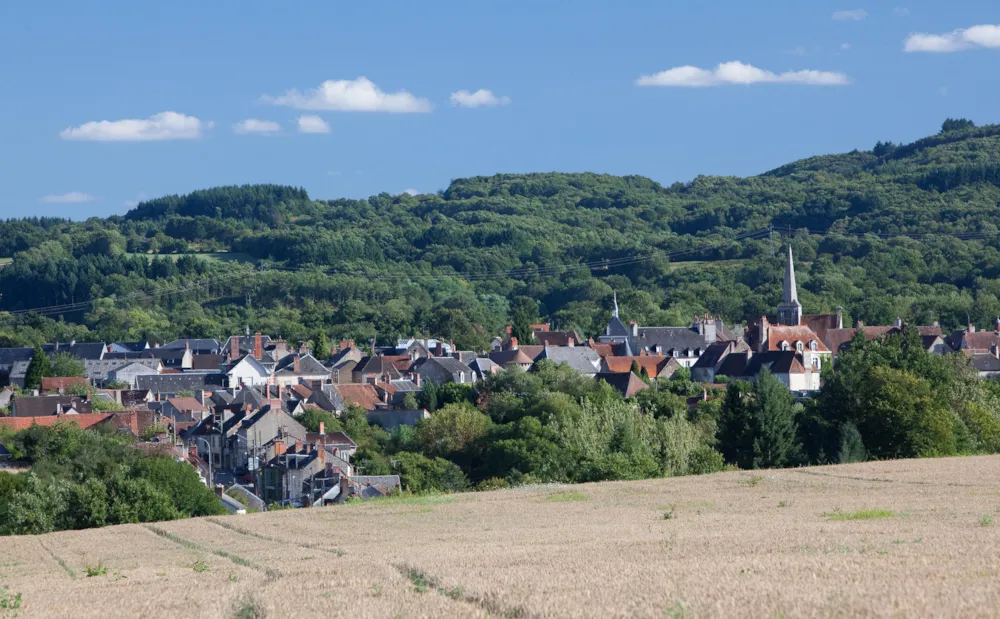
911,538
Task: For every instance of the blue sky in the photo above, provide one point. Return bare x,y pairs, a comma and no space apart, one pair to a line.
623,88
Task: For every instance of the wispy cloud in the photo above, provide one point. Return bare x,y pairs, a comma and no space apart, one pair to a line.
480,98
73,197
162,126
796,51
901,11
254,125
985,35
310,123
141,197
738,73
357,95
412,192
845,46
852,15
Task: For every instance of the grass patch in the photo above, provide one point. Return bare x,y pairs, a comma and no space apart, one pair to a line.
249,607
421,584
201,567
6,260
238,560
985,520
9,601
752,481
96,570
405,499
865,514
567,497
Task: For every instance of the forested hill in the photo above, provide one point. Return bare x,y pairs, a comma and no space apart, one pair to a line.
904,231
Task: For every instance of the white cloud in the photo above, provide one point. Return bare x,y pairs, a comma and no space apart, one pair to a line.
985,35
140,197
412,192
480,98
796,51
736,72
943,91
900,11
162,126
310,123
72,197
253,125
358,95
852,15
845,46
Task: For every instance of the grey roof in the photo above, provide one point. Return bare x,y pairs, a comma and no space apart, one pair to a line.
669,339
46,405
734,365
450,365
617,327
83,350
789,292
582,359
405,385
249,395
328,398
99,369
19,369
129,346
221,398
985,362
308,366
9,356
202,346
775,361
5,395
174,383
712,355
482,365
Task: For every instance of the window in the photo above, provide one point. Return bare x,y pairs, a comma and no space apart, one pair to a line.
813,345
815,363
784,345
799,347
461,378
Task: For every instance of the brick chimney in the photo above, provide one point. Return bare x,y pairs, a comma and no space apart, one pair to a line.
972,328
513,343
234,348
996,324
322,428
439,349
571,342
297,364
279,447
258,346
633,328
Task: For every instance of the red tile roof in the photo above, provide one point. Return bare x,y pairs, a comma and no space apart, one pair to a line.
57,383
84,421
653,365
360,394
778,334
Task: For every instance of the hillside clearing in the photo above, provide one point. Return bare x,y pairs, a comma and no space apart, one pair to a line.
908,541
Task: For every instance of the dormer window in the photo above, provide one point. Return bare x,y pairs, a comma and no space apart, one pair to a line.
813,345
799,347
784,345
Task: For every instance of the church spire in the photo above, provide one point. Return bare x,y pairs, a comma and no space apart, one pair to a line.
790,294
789,310
614,307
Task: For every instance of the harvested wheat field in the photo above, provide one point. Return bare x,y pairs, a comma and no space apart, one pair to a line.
913,538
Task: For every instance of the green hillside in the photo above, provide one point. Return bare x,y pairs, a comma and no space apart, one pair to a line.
898,231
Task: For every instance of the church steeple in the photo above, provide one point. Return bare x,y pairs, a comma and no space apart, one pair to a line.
789,310
614,301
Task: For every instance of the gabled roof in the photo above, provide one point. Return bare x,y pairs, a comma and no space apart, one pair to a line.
172,383
84,420
187,404
359,394
579,358
627,383
777,334
713,354
248,360
669,339
203,346
57,383
985,362
206,362
40,406
308,366
449,365
776,362
558,338
483,366
83,350
8,356
511,357
617,328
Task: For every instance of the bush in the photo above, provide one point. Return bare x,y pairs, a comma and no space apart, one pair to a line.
704,460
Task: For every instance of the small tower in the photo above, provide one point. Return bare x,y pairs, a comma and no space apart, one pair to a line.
789,310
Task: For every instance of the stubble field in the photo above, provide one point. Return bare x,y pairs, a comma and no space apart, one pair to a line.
896,539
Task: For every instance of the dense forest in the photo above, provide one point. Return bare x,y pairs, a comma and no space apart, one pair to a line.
902,230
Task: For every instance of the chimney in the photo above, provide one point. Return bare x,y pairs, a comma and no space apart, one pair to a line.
218,490
258,346
234,349
899,322
995,350
571,342
513,343
972,328
187,345
439,349
633,328
840,317
297,364
996,324
936,324
322,428
298,446
416,376
860,325
279,447
111,348
322,453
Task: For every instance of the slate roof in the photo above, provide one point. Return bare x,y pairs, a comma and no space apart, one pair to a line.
617,328
579,358
173,383
712,355
249,395
654,365
510,357
378,364
985,362
669,339
308,366
776,362
129,346
450,365
8,356
99,370
187,405
482,366
200,346
557,338
46,405
83,350
627,383
980,340
734,365
134,397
